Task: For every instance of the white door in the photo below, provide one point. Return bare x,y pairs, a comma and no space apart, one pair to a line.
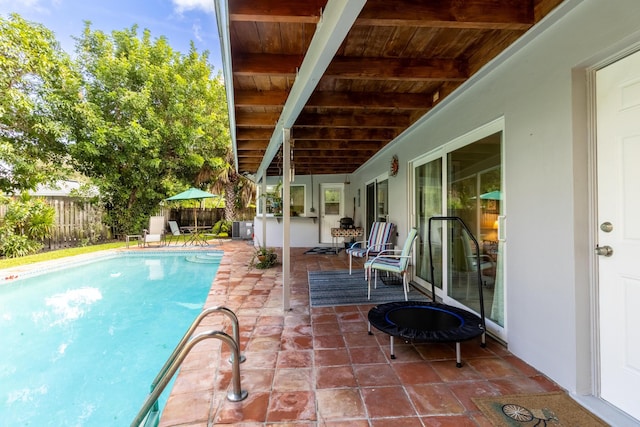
331,209
618,154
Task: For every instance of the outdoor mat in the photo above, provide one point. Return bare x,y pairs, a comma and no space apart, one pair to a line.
330,288
544,409
323,251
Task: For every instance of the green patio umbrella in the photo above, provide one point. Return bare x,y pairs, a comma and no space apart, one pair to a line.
492,195
192,194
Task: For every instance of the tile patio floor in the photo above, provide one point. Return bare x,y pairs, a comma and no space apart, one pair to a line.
319,367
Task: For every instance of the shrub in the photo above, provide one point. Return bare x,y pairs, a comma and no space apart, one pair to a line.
26,222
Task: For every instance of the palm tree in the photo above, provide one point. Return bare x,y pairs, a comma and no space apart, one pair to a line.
239,192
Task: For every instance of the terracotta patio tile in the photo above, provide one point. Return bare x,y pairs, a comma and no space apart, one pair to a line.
517,385
377,375
416,373
252,409
449,372
493,367
328,341
434,399
335,377
291,406
295,359
397,422
367,355
340,404
298,379
464,391
455,421
332,357
387,402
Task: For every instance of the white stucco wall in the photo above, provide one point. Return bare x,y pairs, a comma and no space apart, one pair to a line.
541,93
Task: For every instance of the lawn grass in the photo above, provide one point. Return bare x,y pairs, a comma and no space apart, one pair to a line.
60,253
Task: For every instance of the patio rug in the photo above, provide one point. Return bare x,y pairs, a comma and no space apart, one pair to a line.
323,251
330,288
544,409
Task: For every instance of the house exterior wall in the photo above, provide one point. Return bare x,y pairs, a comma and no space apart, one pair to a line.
539,89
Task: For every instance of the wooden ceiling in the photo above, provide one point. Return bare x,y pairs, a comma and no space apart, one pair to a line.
398,60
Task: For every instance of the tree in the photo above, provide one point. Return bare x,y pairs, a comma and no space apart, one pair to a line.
150,121
238,191
38,86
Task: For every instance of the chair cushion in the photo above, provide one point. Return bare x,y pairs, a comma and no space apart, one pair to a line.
385,263
357,252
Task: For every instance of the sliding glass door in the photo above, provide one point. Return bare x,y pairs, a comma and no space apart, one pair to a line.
463,179
474,177
428,200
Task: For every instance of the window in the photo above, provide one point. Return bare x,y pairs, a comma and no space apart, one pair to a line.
272,200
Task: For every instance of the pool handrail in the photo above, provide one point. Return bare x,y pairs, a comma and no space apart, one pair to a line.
178,353
191,330
234,395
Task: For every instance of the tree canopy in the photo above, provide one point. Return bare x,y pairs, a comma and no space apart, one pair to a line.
139,119
38,85
150,120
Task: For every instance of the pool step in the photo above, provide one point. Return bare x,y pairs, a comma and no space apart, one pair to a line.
208,258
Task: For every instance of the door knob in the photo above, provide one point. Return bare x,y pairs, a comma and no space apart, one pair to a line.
604,250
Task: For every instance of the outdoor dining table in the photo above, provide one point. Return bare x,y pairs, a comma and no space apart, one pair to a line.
195,234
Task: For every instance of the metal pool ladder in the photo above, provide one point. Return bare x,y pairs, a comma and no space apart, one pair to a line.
149,414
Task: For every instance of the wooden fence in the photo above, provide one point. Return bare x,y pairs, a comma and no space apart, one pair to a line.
76,224
79,224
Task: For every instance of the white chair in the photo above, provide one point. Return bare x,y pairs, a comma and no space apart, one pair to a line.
155,232
175,232
393,261
379,240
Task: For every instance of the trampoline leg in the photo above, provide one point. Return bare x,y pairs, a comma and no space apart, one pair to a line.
458,358
369,329
393,355
483,344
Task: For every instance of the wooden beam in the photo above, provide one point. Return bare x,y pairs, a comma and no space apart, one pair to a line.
469,14
293,11
406,69
344,133
353,120
256,119
365,100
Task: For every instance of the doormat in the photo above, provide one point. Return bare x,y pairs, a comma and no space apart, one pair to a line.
544,409
323,251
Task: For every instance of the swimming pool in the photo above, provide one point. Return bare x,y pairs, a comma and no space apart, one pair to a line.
81,345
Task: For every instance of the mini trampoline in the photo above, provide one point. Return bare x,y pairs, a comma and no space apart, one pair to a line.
419,321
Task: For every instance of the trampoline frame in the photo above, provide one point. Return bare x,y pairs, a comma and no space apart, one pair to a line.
379,316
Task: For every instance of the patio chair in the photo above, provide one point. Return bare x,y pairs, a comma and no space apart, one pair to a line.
155,232
175,232
379,240
393,261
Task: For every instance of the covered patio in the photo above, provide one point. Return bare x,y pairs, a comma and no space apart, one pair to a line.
319,367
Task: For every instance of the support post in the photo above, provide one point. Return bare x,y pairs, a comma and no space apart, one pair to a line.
286,219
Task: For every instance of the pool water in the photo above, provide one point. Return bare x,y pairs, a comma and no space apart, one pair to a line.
80,346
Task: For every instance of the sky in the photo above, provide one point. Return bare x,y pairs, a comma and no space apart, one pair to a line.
180,21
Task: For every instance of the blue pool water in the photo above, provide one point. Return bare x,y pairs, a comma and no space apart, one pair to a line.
80,346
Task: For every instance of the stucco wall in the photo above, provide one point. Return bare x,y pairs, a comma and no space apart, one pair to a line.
540,91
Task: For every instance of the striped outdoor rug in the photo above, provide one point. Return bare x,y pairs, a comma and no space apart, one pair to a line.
330,288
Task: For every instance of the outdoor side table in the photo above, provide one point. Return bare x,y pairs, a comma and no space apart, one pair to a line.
138,238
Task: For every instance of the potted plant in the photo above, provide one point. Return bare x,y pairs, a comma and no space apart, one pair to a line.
266,257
